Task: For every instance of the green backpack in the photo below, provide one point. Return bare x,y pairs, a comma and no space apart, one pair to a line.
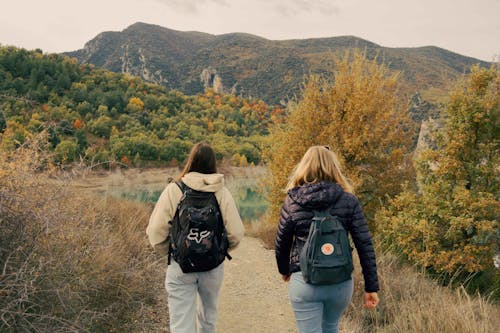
326,257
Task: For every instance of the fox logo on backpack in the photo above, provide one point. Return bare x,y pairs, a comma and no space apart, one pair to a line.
326,257
198,239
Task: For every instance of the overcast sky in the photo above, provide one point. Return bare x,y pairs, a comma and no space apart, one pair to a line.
468,27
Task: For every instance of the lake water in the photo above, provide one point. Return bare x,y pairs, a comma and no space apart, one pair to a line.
147,185
250,202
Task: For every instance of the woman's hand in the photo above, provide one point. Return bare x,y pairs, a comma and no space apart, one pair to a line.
285,278
371,300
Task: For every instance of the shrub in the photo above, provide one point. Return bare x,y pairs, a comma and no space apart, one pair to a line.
65,151
70,262
451,224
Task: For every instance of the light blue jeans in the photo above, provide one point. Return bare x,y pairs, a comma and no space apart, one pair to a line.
192,299
318,308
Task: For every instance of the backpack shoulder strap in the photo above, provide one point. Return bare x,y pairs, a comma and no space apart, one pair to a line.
320,215
183,188
181,185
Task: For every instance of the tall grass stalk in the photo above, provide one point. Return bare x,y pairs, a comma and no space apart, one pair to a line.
412,302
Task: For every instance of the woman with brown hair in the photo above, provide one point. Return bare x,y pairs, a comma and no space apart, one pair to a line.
317,184
199,174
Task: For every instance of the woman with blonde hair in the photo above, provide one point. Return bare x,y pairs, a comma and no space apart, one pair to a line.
317,184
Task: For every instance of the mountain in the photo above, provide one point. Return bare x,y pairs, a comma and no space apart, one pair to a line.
253,66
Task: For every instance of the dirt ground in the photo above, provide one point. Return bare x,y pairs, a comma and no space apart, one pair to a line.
253,298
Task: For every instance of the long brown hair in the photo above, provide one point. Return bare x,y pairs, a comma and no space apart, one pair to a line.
201,159
319,163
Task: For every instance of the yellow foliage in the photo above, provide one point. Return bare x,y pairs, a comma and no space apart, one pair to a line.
13,136
210,126
357,115
135,103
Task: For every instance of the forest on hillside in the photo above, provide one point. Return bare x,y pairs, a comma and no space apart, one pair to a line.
95,116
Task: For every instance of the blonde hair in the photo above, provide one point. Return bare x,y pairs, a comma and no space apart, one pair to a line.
319,163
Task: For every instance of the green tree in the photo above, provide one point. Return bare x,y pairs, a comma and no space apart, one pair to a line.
79,101
78,92
83,108
451,223
65,151
175,149
101,126
81,140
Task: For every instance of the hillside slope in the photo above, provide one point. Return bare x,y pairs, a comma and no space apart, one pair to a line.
97,116
254,66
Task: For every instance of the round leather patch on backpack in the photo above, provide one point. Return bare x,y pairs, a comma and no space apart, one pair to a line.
327,249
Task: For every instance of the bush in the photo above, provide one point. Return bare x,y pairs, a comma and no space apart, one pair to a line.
71,262
65,151
450,225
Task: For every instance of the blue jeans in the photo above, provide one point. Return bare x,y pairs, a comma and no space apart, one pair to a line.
318,308
192,299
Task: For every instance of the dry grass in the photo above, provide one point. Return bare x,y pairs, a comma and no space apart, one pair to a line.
70,262
262,230
410,302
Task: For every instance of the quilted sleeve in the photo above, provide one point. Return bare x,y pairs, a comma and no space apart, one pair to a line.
363,242
284,238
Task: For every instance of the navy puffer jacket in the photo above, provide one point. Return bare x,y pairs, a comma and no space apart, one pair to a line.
295,220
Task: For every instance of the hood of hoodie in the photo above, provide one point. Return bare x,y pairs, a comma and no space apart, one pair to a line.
204,182
316,195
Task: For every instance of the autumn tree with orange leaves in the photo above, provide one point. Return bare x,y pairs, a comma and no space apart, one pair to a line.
357,115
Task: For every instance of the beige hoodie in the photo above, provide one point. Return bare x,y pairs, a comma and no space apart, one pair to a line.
164,210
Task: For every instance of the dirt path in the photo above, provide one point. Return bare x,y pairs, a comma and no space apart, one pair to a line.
253,298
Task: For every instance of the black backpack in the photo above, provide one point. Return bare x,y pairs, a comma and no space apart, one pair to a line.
326,257
197,238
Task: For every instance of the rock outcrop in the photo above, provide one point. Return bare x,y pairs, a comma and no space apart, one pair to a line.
135,63
210,79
